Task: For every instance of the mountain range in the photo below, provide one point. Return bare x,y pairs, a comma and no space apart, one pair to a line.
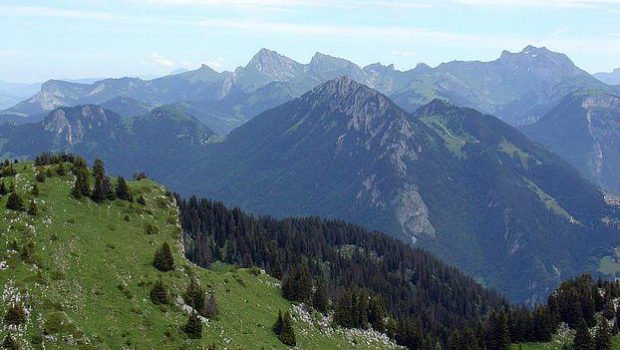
156,141
395,151
466,186
517,87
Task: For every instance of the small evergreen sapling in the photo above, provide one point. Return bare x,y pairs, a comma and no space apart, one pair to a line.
193,327
163,259
15,202
159,293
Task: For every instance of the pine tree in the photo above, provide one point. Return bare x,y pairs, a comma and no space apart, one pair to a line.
277,326
15,202
110,194
99,191
602,337
583,340
163,259
3,189
193,327
498,332
122,190
287,334
195,296
617,321
159,293
320,300
81,187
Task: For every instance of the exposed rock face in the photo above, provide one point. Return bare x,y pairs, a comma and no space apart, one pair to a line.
70,126
584,129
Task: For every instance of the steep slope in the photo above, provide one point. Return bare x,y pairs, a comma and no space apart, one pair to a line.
584,129
82,273
132,144
467,186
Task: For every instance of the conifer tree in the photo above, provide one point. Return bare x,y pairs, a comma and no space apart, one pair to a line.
99,190
3,189
193,327
602,337
617,321
277,326
110,194
81,187
195,296
122,190
163,259
320,300
583,340
287,333
159,293
15,202
498,332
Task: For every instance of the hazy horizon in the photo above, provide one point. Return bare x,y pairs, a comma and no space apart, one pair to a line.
148,38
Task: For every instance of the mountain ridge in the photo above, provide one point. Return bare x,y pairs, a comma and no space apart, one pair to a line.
518,87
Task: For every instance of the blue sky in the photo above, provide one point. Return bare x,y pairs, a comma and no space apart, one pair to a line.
40,40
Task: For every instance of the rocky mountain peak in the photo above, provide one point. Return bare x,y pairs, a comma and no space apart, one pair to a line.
70,124
345,92
270,62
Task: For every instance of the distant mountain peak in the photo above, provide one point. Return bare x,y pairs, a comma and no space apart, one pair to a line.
341,86
532,50
321,59
270,61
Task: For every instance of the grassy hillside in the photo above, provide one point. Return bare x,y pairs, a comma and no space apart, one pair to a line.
83,272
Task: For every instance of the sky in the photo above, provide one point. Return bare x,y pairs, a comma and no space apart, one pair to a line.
69,39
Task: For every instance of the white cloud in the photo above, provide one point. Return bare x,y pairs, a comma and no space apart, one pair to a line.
403,53
217,63
159,60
